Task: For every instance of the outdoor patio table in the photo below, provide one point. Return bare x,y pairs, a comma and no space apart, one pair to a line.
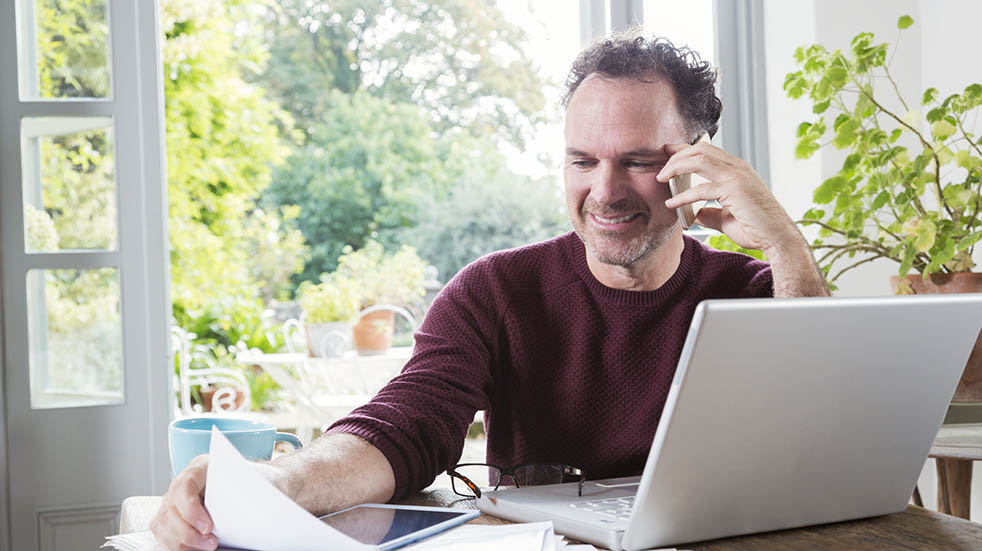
914,528
325,389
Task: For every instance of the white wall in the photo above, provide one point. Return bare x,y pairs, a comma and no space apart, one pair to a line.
940,50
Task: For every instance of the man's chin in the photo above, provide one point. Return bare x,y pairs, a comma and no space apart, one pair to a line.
618,251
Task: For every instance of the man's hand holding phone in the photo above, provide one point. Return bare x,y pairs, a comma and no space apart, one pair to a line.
747,213
678,184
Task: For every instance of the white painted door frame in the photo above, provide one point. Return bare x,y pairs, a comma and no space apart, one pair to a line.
134,463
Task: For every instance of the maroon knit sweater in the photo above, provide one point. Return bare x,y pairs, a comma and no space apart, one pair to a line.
568,370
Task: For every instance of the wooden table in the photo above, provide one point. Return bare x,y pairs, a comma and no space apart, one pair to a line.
954,449
914,528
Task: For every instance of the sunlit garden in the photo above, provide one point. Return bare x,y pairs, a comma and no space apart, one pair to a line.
334,155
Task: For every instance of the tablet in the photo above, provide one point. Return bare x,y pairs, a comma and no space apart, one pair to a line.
391,526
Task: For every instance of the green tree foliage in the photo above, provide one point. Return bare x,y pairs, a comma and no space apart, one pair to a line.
367,165
488,209
395,99
461,60
222,143
72,48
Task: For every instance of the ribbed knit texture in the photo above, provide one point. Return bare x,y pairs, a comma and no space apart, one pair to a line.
567,369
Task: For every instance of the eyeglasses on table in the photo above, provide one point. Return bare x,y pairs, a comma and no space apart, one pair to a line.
462,476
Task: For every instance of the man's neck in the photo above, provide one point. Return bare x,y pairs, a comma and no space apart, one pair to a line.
648,274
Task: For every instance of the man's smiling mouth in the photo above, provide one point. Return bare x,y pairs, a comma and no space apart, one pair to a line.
617,220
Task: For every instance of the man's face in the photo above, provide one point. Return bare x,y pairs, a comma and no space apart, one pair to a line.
615,133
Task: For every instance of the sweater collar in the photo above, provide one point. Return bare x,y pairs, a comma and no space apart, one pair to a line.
638,298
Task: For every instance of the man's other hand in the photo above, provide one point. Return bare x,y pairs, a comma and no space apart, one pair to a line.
182,522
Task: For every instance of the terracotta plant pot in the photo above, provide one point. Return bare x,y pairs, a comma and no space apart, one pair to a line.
970,387
373,332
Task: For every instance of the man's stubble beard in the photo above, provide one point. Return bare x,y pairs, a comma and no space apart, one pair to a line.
636,250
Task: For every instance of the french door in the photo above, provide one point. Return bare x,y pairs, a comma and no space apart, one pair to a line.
83,265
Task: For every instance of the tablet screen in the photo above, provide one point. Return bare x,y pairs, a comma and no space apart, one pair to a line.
376,525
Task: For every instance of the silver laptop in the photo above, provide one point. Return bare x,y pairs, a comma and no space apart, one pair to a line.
783,413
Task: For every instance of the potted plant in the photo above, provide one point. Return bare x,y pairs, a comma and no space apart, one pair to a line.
386,282
330,308
909,189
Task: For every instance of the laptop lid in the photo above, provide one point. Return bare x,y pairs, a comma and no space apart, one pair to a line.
787,413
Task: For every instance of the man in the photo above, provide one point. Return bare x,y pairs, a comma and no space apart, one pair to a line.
570,345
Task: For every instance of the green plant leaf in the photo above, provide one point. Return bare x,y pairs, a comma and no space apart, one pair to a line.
973,95
966,160
851,162
806,148
813,214
905,21
829,189
912,117
929,95
880,200
968,241
895,134
927,232
838,76
845,133
943,129
908,260
795,85
820,108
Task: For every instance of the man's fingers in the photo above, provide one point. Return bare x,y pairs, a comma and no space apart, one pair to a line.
710,217
702,163
187,495
173,532
673,148
708,191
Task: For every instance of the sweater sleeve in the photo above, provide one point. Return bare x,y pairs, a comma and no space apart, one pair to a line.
420,418
761,281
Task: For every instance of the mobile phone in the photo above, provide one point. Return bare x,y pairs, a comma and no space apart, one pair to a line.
678,184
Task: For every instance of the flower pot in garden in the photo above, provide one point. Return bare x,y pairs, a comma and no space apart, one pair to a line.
970,386
328,340
373,332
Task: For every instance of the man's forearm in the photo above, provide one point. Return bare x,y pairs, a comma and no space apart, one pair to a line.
336,471
794,270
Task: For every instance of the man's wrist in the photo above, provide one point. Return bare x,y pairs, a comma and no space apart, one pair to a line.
791,248
278,477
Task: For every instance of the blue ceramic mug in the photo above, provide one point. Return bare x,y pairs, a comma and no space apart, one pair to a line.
191,437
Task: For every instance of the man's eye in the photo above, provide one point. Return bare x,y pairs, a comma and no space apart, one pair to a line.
640,165
581,163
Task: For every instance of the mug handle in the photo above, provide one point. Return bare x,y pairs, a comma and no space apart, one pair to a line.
289,438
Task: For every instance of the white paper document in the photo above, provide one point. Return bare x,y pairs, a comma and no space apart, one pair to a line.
250,513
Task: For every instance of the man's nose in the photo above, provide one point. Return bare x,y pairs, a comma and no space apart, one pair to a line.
609,185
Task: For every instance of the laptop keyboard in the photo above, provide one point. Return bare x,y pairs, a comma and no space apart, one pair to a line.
618,507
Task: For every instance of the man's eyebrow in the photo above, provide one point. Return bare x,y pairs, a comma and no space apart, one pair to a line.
644,152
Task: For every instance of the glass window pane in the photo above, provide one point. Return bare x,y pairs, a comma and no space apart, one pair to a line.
69,183
553,31
684,23
75,337
64,49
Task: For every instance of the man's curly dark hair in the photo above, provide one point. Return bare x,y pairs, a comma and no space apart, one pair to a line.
648,59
